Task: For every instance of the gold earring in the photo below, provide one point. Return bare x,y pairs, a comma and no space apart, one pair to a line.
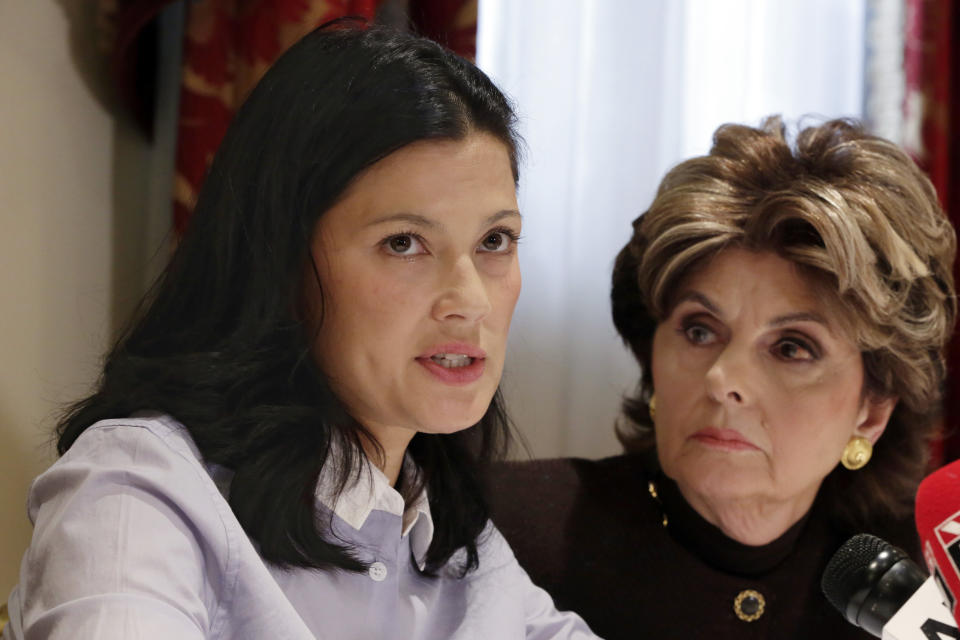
857,453
652,406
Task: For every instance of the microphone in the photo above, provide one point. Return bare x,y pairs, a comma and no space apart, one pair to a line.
878,588
938,523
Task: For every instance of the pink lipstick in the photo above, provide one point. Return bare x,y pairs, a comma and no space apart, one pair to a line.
454,363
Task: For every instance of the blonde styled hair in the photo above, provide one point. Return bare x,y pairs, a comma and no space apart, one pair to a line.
858,217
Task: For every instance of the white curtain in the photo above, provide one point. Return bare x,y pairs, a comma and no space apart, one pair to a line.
611,93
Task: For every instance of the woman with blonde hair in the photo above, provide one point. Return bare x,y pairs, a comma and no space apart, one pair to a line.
789,306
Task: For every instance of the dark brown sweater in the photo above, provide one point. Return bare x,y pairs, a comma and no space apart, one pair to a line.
592,535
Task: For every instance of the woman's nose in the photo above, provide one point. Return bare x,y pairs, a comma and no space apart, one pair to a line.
463,294
728,378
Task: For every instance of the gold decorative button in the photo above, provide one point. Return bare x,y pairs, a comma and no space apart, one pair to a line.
652,490
749,605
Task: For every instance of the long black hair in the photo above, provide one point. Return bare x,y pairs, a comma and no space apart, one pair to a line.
218,342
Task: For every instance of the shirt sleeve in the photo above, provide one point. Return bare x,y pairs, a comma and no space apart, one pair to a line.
542,619
127,543
545,622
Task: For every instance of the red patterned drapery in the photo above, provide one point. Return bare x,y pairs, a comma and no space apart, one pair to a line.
932,135
452,23
228,46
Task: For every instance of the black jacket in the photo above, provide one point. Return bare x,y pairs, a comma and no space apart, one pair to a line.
592,534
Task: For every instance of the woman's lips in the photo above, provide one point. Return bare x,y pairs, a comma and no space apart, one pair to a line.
725,439
455,375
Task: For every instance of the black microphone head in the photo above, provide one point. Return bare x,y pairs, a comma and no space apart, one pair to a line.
868,579
846,571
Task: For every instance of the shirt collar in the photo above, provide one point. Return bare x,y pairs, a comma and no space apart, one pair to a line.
370,490
419,523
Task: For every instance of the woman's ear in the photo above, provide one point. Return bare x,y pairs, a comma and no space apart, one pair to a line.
873,417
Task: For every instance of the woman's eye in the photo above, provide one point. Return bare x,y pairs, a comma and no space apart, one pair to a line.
403,244
698,334
793,350
497,242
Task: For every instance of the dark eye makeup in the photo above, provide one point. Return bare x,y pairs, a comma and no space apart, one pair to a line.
698,329
500,240
797,348
494,240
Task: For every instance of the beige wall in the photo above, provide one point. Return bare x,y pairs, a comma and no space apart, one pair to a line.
74,181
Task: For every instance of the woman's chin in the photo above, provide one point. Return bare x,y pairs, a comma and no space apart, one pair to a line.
451,419
721,478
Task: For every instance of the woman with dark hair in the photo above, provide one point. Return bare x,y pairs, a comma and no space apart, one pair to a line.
789,306
285,442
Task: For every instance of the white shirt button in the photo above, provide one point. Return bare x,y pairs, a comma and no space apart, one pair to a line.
378,571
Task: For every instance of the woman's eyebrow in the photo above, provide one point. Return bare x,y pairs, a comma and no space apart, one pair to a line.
412,218
800,316
423,221
696,296
500,215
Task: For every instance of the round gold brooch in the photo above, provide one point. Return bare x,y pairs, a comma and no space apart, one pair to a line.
749,605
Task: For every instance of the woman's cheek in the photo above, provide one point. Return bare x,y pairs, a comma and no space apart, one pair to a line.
511,287
503,290
397,281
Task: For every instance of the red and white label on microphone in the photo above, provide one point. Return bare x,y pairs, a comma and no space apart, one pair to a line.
948,533
946,595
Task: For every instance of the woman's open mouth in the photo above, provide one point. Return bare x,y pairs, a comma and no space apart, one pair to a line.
455,369
455,364
452,360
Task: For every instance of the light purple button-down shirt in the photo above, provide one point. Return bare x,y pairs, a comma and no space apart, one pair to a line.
133,539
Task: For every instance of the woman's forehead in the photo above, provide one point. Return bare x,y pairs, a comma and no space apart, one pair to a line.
788,289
